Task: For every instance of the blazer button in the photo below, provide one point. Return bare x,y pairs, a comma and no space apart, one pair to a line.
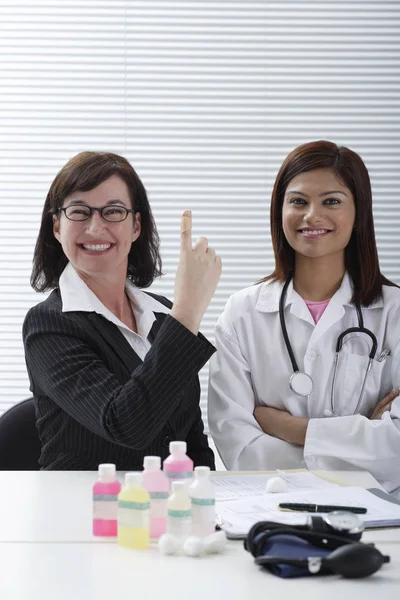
167,440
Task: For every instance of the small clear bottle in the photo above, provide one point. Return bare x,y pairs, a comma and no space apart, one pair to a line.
179,518
178,466
157,484
105,501
133,513
202,496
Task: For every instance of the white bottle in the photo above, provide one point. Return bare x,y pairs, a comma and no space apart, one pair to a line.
157,484
202,495
179,518
105,501
133,513
178,466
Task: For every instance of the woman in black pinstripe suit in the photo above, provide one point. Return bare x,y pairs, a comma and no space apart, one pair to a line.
114,370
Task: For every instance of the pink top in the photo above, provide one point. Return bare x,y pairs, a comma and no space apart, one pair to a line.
317,308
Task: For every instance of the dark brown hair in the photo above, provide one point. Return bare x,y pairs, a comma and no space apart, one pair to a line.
361,255
84,172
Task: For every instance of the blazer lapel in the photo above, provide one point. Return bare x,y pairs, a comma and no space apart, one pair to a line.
156,326
116,341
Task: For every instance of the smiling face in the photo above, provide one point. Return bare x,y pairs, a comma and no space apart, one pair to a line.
318,214
98,248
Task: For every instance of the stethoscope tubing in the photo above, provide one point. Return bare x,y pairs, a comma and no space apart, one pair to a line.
339,344
283,325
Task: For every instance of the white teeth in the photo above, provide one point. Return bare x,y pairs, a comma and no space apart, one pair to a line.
97,247
314,231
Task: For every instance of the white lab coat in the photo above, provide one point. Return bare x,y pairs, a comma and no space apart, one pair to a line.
252,368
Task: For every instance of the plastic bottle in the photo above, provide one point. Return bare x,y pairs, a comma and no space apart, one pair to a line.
178,466
157,484
105,501
133,513
202,495
179,518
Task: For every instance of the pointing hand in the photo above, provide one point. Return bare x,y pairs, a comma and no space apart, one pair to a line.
197,276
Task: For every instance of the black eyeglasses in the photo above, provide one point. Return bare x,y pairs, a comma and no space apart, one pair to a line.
81,212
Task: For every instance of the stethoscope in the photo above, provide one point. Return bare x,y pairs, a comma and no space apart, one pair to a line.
301,383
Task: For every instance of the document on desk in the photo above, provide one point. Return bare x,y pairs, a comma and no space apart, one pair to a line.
236,517
234,487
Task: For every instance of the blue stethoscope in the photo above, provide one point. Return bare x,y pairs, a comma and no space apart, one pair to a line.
301,383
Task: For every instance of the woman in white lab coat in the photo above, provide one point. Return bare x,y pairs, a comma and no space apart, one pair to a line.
341,410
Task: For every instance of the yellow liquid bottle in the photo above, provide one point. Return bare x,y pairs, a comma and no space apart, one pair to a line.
133,513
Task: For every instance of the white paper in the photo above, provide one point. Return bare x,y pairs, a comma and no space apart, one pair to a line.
234,487
238,516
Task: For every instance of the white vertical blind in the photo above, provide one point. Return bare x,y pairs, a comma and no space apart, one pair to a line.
205,99
63,90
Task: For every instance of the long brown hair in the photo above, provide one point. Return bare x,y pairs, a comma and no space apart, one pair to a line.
84,172
361,255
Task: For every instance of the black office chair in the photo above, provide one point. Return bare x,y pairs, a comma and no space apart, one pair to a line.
19,440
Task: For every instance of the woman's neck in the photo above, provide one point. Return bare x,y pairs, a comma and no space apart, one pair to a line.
111,293
317,279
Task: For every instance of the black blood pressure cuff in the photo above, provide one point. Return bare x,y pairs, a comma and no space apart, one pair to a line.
295,552
290,547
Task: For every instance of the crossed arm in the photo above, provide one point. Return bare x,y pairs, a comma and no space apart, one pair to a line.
281,424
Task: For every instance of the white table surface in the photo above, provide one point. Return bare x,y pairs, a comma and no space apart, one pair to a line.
47,552
56,506
106,571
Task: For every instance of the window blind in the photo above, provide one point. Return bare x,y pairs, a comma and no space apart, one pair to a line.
205,99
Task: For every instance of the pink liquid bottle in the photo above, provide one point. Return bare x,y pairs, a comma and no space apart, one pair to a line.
157,484
178,466
105,502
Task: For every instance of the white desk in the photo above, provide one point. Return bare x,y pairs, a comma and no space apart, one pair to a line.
105,572
56,506
47,552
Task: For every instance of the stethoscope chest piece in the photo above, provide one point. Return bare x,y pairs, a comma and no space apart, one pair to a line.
301,383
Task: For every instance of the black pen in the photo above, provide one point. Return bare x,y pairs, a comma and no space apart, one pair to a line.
323,508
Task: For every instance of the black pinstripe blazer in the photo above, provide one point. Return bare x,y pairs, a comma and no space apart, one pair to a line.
97,401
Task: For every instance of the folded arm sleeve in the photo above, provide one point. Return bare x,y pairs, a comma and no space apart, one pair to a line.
359,442
240,441
63,366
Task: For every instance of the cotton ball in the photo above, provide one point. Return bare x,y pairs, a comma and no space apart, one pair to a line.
168,544
215,542
276,485
193,546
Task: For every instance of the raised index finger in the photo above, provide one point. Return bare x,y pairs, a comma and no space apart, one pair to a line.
186,230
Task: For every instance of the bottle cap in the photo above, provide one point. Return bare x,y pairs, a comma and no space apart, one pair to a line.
179,486
177,447
107,471
202,471
152,463
133,480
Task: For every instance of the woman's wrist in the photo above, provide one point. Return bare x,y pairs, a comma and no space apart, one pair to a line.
289,428
186,318
296,430
281,424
